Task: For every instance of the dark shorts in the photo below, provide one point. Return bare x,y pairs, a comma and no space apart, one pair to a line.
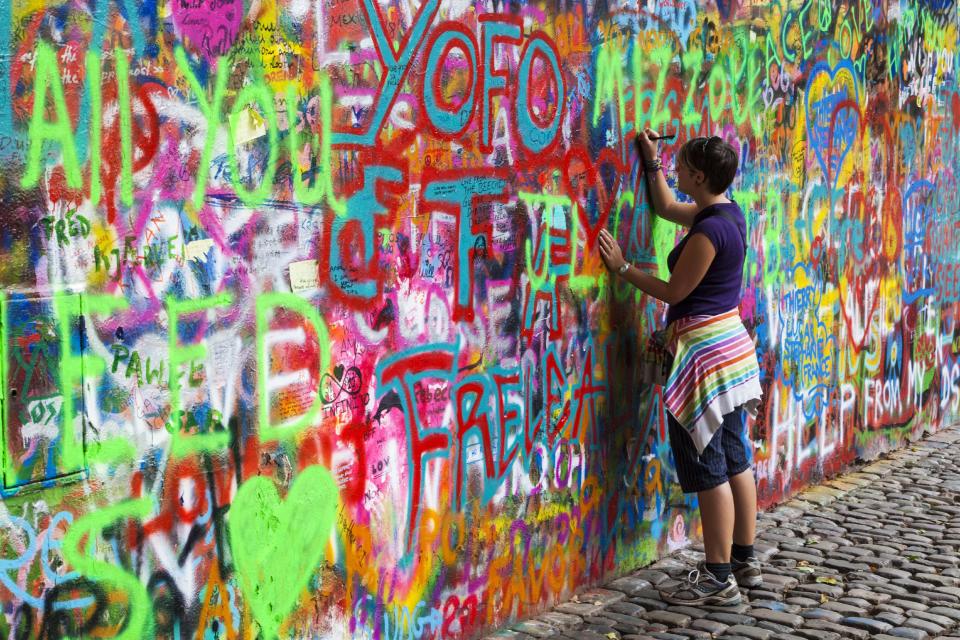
724,457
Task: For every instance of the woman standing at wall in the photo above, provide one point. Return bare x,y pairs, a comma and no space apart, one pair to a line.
714,372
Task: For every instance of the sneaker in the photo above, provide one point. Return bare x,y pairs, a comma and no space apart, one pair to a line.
747,573
702,588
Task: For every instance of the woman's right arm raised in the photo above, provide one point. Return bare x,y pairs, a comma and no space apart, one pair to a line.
664,203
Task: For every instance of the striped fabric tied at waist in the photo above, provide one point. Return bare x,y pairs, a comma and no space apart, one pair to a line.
714,372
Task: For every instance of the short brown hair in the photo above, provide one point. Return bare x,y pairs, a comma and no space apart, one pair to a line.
714,157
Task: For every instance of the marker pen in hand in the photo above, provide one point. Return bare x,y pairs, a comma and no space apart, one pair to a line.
666,136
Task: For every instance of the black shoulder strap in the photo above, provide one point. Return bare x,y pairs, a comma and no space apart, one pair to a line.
743,237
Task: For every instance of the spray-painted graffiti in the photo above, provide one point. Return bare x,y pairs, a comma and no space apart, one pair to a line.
304,332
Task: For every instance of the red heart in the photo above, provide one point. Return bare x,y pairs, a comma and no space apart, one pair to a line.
956,111
578,180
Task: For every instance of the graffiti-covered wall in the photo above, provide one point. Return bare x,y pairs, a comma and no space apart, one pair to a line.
304,328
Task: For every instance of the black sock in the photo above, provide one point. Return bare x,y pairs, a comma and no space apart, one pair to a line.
740,552
721,571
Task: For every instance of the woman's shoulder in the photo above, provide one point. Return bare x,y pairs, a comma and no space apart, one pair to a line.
713,214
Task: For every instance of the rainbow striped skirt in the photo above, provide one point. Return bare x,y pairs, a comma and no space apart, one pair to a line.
714,372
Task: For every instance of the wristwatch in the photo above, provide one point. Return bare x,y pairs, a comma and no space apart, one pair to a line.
622,270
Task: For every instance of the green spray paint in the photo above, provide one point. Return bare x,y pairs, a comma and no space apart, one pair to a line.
7,459
126,138
259,93
660,116
211,113
78,368
664,235
276,544
609,76
755,106
47,79
692,61
548,280
636,66
323,186
183,445
266,303
139,622
717,96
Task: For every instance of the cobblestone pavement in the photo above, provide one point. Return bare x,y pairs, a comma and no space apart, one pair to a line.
874,553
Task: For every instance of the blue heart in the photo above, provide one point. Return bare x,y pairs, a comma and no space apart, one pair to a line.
831,144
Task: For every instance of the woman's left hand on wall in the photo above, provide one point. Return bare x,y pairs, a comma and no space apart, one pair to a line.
610,251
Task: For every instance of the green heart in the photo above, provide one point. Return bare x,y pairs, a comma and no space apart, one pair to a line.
277,544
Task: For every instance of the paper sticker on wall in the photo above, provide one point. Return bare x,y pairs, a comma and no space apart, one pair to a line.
303,275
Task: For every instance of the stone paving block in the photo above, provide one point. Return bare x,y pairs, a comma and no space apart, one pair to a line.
953,591
911,633
844,609
868,624
800,556
938,597
650,604
844,566
925,625
731,619
626,608
912,585
602,630
599,620
560,620
581,609
774,605
944,621
843,630
895,619
829,590
949,612
710,626
773,626
614,618
652,593
507,634
694,612
666,635
755,633
534,628
629,585
652,576
668,618
892,589
908,605
775,582
738,609
869,595
817,634
786,619
581,634
932,578
602,597
893,574
690,633
802,602
821,614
